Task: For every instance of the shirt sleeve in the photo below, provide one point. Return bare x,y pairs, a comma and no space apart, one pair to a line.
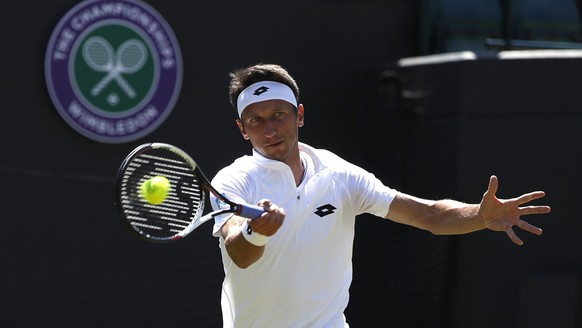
369,194
227,186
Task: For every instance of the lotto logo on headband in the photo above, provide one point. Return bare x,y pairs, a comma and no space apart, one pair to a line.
262,91
113,69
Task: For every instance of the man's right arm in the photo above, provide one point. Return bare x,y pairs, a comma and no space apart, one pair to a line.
242,252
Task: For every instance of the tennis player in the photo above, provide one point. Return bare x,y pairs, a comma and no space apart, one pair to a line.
292,266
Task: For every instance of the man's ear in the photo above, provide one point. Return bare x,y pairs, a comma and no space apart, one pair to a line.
242,130
300,115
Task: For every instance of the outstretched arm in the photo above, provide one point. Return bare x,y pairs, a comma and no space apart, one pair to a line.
452,217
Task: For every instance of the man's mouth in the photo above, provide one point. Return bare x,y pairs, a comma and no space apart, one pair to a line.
274,144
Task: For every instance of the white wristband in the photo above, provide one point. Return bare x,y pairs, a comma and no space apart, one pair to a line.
253,237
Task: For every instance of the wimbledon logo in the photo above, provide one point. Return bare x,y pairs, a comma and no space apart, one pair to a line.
113,69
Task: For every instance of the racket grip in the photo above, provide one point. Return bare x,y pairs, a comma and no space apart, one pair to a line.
251,211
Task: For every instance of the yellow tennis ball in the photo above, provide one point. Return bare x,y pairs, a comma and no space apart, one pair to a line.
155,190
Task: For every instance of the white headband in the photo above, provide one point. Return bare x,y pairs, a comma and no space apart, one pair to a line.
264,90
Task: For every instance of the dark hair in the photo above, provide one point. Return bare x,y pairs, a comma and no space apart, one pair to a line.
243,77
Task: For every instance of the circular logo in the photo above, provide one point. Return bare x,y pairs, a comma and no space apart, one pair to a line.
113,69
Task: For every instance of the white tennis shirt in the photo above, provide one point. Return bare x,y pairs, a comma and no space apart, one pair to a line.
304,275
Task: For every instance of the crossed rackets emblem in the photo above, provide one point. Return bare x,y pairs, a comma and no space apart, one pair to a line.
129,58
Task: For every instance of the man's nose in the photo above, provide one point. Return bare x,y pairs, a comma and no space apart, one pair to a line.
270,129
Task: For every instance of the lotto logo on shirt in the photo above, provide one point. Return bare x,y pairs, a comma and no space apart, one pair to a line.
325,210
113,69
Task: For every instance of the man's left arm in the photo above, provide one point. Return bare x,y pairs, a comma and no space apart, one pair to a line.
449,217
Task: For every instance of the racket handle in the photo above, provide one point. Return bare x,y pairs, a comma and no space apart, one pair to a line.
250,211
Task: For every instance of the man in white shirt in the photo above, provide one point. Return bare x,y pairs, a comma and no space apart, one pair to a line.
292,266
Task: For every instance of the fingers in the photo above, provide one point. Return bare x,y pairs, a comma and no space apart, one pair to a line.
525,226
493,185
534,209
266,203
525,198
527,210
505,214
529,227
270,221
511,234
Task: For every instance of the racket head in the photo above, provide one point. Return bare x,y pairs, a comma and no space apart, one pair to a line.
98,54
131,56
181,210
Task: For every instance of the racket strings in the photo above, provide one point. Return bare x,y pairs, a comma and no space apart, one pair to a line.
184,203
132,56
98,54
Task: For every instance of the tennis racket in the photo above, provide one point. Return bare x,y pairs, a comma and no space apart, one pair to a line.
181,211
128,59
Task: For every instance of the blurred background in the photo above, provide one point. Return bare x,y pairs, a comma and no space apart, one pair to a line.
431,96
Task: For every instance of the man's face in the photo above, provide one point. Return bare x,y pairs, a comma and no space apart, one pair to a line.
272,126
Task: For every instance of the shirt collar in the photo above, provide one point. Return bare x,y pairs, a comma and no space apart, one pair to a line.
304,148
